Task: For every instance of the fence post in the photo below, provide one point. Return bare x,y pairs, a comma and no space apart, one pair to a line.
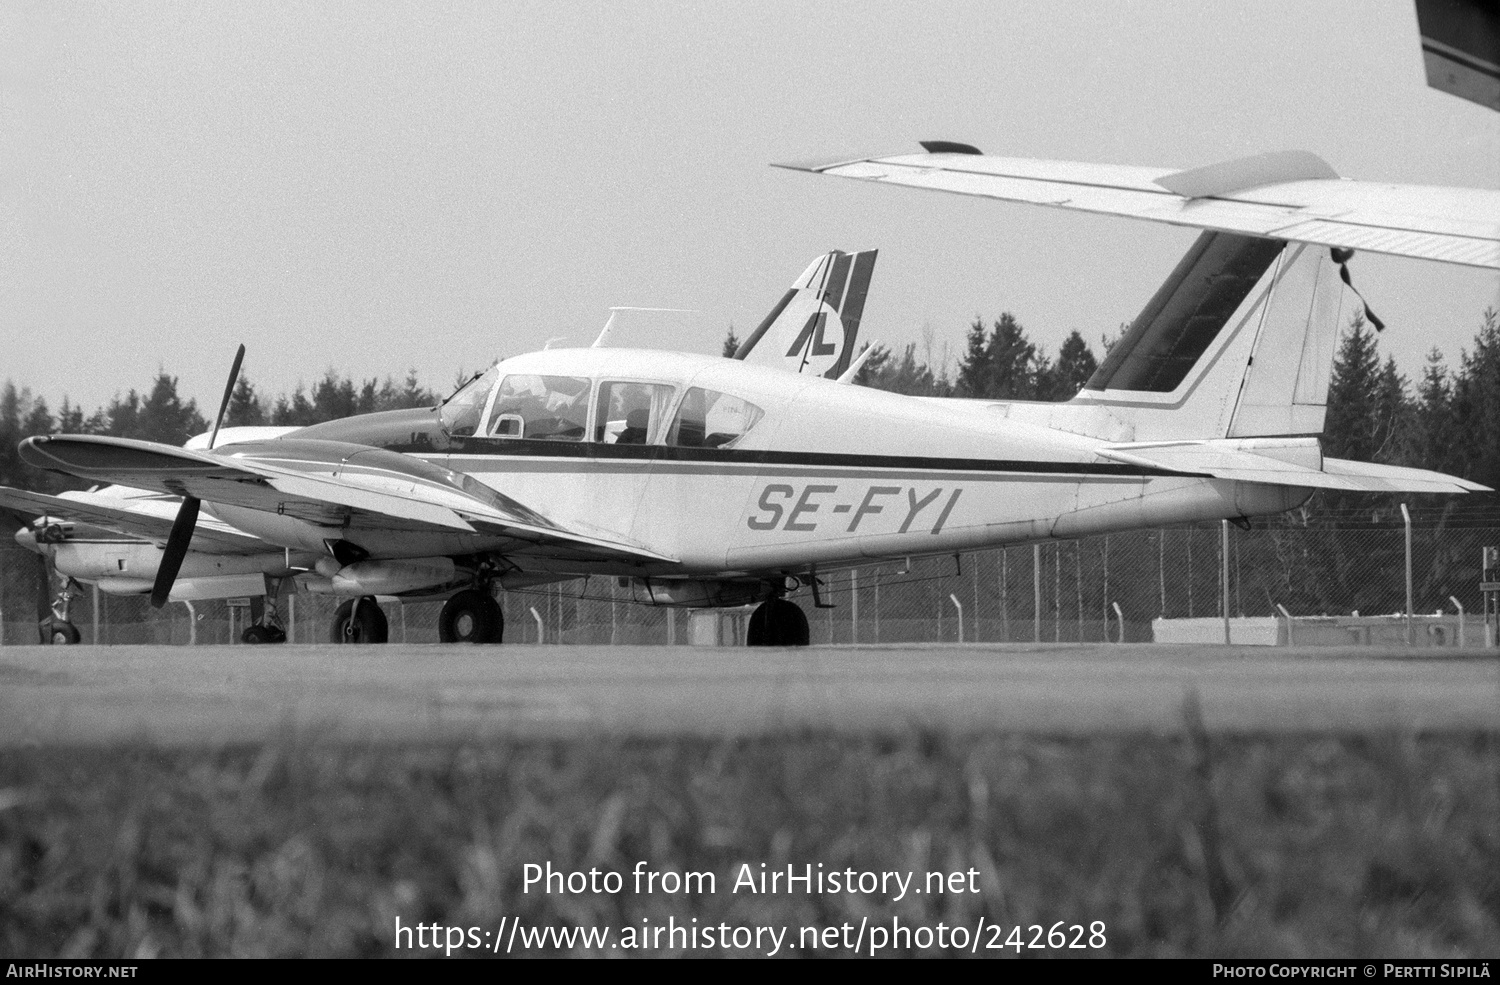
1288,617
192,623
1036,589
96,613
1119,617
1004,595
1057,592
1078,583
538,617
1460,607
1406,520
1224,574
854,605
960,607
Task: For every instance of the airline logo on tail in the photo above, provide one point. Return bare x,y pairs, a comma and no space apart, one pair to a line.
815,326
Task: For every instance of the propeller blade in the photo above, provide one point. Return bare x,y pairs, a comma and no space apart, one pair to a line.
234,376
176,550
187,515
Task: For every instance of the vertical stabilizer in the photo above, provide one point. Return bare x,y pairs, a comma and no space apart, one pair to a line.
1286,384
814,328
1238,342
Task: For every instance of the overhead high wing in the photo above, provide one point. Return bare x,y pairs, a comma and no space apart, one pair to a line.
1288,195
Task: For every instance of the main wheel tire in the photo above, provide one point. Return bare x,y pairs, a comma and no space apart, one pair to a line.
368,625
262,634
777,622
471,616
59,632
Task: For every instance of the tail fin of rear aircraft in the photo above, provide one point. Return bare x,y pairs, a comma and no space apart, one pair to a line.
1237,343
815,326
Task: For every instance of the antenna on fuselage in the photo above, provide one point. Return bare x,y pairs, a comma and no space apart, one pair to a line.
848,375
609,325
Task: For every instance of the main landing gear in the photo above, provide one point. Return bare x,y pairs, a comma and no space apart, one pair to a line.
471,616
360,621
777,622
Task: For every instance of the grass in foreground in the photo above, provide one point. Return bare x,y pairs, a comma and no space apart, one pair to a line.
1311,846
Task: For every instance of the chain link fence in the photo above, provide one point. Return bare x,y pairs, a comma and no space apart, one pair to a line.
1094,589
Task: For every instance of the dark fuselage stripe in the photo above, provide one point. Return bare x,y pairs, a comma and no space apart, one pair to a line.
741,460
513,467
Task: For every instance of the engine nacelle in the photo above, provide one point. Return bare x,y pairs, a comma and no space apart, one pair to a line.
704,594
389,577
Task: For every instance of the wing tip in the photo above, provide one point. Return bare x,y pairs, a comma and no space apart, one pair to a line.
817,165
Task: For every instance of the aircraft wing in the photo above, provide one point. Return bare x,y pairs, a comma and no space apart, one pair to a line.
211,535
1226,462
323,482
1288,195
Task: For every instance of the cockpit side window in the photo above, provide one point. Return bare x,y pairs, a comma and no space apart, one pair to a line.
710,419
462,411
631,413
551,407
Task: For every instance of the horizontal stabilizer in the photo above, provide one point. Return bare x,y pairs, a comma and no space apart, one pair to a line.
1224,460
1394,478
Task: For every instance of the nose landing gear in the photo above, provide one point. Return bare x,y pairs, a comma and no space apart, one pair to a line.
56,629
267,627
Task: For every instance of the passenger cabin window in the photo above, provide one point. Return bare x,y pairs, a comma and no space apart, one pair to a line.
709,419
631,413
551,407
461,412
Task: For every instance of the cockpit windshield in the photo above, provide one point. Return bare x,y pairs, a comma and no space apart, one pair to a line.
551,407
461,412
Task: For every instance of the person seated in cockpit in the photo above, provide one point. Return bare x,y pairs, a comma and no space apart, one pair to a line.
634,432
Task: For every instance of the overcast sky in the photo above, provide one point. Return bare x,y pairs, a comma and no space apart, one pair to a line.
380,186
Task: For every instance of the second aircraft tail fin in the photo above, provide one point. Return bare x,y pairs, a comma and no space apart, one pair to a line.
814,328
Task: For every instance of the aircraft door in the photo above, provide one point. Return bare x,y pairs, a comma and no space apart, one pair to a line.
628,422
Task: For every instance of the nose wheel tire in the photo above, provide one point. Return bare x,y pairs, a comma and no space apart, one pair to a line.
59,632
262,634
366,625
471,616
777,622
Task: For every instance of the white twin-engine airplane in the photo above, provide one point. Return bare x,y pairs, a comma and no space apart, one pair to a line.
113,537
713,482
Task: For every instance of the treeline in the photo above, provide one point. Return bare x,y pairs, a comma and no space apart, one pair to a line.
1448,422
999,363
161,414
